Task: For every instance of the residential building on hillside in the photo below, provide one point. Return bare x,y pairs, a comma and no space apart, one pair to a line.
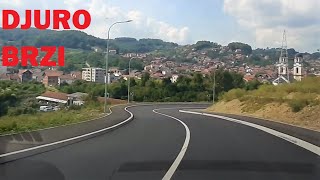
130,55
51,78
70,78
3,69
37,74
94,75
25,75
62,99
112,52
4,77
9,77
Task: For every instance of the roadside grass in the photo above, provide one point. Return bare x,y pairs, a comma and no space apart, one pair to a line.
233,94
297,95
40,120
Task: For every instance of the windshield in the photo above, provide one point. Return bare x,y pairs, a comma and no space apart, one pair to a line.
104,89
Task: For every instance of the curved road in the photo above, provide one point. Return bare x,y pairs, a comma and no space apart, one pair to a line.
165,143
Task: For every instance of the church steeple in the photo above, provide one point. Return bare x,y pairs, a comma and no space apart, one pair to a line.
297,67
283,65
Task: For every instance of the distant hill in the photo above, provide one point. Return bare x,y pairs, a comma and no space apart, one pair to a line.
78,40
125,45
79,47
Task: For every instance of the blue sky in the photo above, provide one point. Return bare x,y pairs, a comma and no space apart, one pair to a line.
259,23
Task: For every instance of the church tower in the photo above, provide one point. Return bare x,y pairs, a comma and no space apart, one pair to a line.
297,67
283,64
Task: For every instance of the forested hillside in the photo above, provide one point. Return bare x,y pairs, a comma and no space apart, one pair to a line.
78,40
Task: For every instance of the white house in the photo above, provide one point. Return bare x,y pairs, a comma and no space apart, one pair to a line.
112,52
174,78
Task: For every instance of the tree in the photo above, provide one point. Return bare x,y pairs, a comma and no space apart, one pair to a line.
252,85
145,77
197,82
166,82
245,48
205,44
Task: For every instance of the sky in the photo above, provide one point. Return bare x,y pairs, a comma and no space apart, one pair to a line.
259,23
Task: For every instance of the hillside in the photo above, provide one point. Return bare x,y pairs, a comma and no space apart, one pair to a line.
297,103
78,40
79,49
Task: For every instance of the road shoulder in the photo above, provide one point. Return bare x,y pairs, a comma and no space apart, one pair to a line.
307,135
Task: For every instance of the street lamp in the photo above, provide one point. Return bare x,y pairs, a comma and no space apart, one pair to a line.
107,59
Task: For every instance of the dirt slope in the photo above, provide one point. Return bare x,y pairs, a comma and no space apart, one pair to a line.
309,117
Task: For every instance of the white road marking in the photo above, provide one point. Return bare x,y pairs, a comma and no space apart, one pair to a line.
70,139
183,150
306,145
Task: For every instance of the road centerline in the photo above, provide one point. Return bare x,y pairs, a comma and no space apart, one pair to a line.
183,150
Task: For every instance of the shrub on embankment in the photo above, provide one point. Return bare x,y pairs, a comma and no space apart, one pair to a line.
297,95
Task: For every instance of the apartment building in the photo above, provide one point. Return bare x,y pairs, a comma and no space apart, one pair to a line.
94,74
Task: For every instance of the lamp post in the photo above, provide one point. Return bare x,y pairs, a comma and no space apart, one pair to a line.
107,60
129,78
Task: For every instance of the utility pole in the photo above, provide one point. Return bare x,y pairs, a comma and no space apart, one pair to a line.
129,79
214,86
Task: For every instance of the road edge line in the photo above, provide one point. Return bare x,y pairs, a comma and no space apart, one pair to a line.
73,138
301,143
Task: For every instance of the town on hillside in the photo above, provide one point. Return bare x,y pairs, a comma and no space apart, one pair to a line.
166,61
159,67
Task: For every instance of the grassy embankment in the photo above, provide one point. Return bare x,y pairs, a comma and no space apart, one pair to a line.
297,103
40,120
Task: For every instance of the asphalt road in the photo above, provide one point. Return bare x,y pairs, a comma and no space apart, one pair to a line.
148,146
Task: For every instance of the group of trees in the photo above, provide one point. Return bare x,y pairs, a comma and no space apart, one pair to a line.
195,87
75,60
205,45
245,48
17,98
129,45
38,38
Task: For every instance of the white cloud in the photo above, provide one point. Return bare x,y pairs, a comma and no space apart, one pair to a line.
103,14
268,18
10,3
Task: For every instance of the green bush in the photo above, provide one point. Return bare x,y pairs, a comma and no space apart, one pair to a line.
74,107
19,111
301,100
233,94
252,85
296,105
